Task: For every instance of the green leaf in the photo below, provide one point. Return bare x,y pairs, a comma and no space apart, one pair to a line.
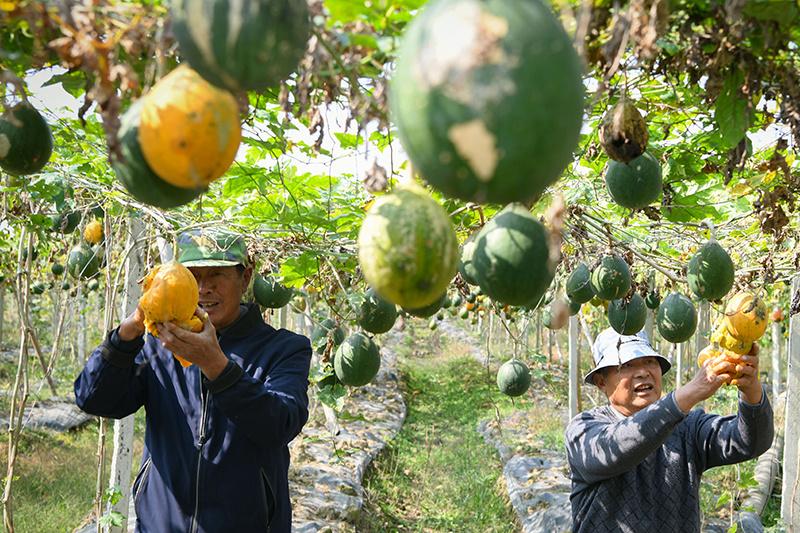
296,270
348,140
72,82
347,10
723,499
332,395
730,113
539,359
782,11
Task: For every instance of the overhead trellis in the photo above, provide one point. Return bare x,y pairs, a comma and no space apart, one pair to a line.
700,86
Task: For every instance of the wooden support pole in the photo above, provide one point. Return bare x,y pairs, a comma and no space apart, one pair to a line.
679,365
700,336
284,314
775,371
300,323
539,343
790,502
122,455
574,368
703,327
2,311
55,297
649,326
82,310
526,331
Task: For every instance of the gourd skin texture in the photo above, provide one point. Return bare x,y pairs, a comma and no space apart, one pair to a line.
710,272
136,175
93,232
726,341
357,360
513,378
579,286
635,184
676,318
487,98
512,257
189,130
611,279
627,318
746,317
407,248
26,142
83,262
376,315
170,294
242,44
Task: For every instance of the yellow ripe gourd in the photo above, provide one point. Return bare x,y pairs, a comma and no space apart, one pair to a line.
726,341
189,130
170,294
709,352
714,356
93,232
746,317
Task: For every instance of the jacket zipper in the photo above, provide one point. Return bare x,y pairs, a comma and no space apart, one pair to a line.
269,494
202,441
142,477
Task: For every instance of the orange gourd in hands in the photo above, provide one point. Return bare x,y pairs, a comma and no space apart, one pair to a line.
170,294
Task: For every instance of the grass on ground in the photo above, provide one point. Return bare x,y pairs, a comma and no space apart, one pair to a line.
55,476
438,474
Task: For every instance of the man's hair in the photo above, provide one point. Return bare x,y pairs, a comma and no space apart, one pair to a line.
240,269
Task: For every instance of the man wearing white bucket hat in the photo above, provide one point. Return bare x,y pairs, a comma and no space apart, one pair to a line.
636,463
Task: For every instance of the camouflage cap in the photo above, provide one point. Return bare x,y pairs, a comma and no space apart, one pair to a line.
198,248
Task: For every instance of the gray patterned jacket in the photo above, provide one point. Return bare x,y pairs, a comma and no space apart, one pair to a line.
642,473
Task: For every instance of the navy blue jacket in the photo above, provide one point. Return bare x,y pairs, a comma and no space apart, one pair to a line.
215,456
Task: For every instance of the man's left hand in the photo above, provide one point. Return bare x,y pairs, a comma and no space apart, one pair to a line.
200,348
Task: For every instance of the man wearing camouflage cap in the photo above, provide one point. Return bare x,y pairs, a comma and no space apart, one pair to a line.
216,456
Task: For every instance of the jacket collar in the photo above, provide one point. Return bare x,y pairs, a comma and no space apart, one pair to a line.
248,321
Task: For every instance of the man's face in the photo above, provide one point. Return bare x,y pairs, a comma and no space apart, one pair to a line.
220,291
632,386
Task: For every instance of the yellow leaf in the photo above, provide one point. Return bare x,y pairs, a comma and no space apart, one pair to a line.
8,6
741,188
768,177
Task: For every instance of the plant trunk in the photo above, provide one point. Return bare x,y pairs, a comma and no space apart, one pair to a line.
19,394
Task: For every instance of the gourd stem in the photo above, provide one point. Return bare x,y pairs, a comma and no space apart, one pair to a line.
711,229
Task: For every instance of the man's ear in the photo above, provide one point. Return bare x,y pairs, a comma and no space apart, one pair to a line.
246,275
599,379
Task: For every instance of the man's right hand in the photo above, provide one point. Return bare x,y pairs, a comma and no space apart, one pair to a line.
132,327
714,374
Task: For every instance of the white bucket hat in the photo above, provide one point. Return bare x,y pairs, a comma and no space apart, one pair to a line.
612,349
